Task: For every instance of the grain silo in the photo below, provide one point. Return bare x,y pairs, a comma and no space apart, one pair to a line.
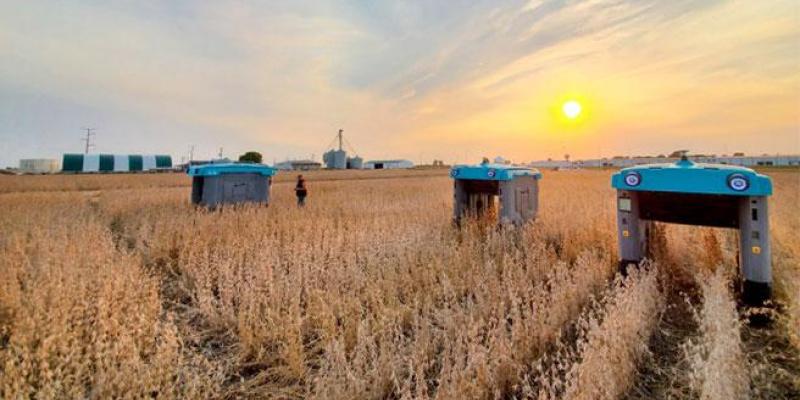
335,159
355,162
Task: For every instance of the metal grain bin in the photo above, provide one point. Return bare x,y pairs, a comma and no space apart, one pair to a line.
230,183
355,162
335,159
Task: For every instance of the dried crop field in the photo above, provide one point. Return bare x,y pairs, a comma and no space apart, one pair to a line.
114,286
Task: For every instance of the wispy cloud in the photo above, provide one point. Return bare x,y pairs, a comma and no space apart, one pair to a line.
456,79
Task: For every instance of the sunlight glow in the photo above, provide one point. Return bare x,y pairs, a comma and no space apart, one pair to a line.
571,109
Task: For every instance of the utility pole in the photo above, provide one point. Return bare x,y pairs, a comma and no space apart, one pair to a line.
220,153
191,153
88,139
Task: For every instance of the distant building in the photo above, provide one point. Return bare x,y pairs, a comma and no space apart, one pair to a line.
388,164
621,162
80,163
757,161
501,160
298,165
38,166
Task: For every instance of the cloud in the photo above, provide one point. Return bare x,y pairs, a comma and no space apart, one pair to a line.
398,76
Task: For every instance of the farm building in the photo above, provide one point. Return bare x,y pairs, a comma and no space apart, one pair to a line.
388,164
298,165
79,163
755,161
38,166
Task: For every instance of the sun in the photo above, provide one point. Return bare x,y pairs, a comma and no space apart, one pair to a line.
571,109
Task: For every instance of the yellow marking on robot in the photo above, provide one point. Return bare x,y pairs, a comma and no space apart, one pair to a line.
756,250
626,233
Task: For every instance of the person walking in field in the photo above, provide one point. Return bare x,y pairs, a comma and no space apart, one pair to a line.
300,191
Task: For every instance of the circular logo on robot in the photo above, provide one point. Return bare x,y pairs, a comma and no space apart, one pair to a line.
738,182
454,172
633,179
491,173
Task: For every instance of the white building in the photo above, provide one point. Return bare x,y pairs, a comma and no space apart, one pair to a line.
501,160
39,166
757,161
298,165
621,162
388,164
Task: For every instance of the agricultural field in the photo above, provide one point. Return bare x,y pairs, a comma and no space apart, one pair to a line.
115,286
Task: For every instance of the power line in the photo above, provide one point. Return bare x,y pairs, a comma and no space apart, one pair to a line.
88,139
330,144
350,146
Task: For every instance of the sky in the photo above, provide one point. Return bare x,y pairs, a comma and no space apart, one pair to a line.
451,80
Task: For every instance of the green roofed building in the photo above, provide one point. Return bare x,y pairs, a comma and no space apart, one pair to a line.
163,162
72,163
135,163
105,163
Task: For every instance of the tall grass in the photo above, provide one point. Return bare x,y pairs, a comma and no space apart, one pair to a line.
718,366
89,182
81,320
785,228
612,338
367,292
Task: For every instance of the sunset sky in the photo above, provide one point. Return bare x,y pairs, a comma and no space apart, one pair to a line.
452,80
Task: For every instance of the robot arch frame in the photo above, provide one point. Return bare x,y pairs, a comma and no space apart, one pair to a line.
216,185
512,193
698,194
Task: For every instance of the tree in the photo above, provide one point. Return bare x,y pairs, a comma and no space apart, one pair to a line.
251,157
678,153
